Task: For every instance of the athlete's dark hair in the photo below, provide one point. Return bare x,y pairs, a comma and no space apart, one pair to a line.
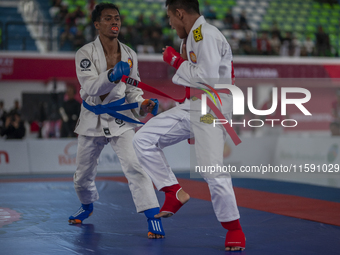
190,6
97,12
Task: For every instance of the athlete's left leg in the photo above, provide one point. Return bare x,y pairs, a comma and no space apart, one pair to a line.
164,130
141,187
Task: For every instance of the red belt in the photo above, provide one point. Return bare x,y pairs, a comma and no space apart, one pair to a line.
193,92
197,93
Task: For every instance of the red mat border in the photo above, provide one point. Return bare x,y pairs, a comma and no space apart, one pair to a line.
288,205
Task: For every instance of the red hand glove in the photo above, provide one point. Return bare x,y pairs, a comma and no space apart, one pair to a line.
172,57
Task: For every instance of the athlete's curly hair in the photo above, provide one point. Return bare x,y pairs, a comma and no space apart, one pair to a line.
97,12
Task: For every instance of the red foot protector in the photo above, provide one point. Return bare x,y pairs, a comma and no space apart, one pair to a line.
171,204
235,236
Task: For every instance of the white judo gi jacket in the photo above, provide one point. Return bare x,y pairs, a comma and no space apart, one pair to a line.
209,61
92,74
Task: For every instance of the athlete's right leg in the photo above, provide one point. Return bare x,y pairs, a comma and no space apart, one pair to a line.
209,144
89,149
159,132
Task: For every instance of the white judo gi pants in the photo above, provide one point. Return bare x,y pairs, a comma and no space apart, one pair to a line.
89,149
171,127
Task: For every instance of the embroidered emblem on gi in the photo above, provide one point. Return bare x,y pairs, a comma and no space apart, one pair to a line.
107,131
194,98
119,122
130,62
85,63
208,118
193,57
198,34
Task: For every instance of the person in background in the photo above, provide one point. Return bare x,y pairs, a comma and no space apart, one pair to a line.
322,42
208,11
14,127
275,44
263,45
229,20
246,45
3,114
243,21
69,113
16,107
309,46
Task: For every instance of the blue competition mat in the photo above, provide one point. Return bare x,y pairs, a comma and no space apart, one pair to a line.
116,228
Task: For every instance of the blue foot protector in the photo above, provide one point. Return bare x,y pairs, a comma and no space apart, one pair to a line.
155,225
83,213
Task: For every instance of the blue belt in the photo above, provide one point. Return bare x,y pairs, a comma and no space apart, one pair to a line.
112,108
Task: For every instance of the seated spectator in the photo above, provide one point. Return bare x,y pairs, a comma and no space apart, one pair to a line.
157,44
287,45
309,46
246,45
275,32
275,44
16,108
146,44
229,20
208,11
296,44
140,23
3,115
70,29
14,127
322,43
243,21
60,16
91,4
263,45
55,9
79,39
234,42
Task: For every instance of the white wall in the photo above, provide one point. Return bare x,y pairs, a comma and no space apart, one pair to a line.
53,156
32,156
11,91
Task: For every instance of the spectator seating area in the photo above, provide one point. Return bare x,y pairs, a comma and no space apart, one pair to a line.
14,33
247,24
304,18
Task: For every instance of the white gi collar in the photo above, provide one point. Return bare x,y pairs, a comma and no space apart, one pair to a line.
101,54
201,20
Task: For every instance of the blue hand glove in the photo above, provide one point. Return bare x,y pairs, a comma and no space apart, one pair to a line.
120,69
155,108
